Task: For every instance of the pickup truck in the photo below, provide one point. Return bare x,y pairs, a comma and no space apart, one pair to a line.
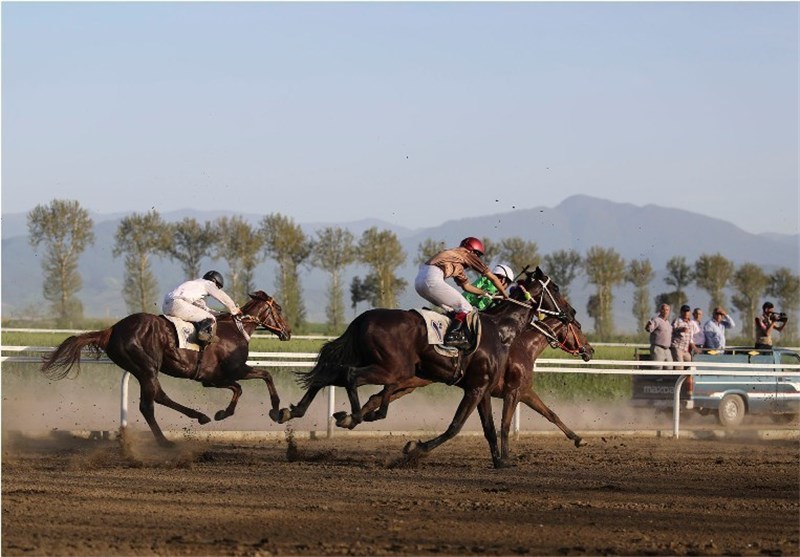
728,397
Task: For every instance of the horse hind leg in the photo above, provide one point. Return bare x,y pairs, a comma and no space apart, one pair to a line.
296,411
152,393
531,399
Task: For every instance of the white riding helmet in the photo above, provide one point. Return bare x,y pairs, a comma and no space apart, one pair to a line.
504,271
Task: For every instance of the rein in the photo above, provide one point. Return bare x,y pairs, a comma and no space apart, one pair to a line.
239,320
558,312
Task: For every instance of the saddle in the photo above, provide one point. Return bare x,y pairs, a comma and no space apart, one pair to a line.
438,324
186,331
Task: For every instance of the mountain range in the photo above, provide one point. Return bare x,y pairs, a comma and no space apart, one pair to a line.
579,222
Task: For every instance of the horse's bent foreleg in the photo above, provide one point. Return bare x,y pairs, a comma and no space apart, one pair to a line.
533,401
275,400
298,410
464,410
237,392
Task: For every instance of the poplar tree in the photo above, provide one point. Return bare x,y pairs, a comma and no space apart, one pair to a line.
784,285
750,283
712,273
563,266
605,269
639,274
382,252
239,244
190,243
287,244
65,229
333,250
138,237
518,253
679,275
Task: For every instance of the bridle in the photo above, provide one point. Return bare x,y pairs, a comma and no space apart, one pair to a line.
269,325
552,338
537,303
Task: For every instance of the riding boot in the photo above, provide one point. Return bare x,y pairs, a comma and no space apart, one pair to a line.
457,335
205,331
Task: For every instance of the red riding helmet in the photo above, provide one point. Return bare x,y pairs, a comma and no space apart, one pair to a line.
473,244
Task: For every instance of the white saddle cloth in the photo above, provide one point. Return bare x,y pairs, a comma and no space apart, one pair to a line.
187,333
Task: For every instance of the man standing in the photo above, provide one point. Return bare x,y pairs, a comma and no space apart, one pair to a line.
682,345
698,336
660,336
714,329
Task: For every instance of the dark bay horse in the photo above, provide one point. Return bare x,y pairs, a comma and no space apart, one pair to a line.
145,344
516,384
390,347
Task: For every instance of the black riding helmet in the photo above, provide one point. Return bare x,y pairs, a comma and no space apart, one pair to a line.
215,277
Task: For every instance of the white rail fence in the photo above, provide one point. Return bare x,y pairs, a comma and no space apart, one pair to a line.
543,365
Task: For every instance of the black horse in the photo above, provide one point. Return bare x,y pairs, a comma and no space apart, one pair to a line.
145,344
390,347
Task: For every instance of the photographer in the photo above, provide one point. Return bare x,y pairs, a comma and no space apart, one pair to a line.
766,323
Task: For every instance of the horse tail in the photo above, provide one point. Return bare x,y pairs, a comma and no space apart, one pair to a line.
58,363
334,358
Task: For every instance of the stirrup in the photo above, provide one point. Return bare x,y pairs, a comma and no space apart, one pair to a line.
457,338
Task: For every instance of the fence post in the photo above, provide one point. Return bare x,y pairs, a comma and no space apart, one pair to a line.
676,407
123,406
331,408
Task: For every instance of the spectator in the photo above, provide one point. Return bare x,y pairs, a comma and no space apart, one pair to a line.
767,322
698,336
682,345
714,328
660,336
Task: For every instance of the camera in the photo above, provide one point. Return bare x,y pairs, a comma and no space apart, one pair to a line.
778,316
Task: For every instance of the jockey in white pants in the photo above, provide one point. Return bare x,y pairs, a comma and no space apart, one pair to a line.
187,302
430,283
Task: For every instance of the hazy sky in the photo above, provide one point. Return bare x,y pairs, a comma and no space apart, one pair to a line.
414,113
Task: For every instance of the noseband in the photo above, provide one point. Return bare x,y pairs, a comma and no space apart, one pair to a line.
552,338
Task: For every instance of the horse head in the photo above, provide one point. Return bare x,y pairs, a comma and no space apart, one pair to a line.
568,337
541,291
267,313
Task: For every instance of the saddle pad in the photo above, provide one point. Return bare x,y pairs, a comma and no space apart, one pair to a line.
187,335
437,325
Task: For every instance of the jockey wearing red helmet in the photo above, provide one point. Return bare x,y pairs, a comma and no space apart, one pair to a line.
430,282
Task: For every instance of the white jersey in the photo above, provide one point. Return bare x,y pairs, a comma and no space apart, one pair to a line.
196,291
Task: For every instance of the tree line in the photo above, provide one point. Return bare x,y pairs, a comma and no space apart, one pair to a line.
65,230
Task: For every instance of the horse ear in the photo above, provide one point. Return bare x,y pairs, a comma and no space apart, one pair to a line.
259,295
538,273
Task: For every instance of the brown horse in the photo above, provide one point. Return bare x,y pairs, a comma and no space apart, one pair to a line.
145,344
516,384
390,347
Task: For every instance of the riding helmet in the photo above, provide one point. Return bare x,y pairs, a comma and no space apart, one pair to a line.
473,244
504,271
215,277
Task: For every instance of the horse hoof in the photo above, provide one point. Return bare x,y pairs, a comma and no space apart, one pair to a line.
503,463
344,421
283,416
411,447
203,420
580,442
339,416
221,415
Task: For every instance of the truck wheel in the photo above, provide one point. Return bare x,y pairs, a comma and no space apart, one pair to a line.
731,410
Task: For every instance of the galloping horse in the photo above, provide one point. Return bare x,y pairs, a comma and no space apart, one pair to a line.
516,384
390,346
145,344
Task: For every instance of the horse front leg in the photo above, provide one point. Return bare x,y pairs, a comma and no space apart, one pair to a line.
489,432
415,450
510,401
275,400
531,399
237,392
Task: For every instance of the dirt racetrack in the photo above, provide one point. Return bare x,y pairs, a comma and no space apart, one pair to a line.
63,495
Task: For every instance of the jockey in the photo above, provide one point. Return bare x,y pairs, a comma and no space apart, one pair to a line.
506,276
187,302
430,283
